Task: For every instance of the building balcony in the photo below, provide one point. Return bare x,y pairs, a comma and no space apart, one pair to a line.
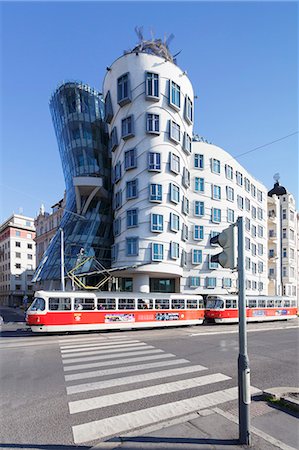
272,216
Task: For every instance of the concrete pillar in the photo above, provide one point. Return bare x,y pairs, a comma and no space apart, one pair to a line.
141,283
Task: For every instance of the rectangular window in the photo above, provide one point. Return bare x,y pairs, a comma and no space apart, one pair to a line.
212,265
174,222
174,193
247,243
260,249
247,184
118,199
188,113
216,215
18,266
174,250
152,123
229,173
117,226
130,159
174,131
230,215
18,233
253,231
117,172
198,161
199,184
226,283
132,189
18,255
174,163
187,143
284,214
216,192
198,232
114,252
152,86
284,253
196,256
194,281
260,213
185,232
157,252
230,194
253,190
253,212
211,282
113,140
260,267
132,245
215,165
260,231
239,178
186,177
18,244
132,218
154,161
157,223
247,224
60,304
240,202
253,249
259,195
185,205
199,208
123,90
155,193
29,246
247,204
127,127
174,95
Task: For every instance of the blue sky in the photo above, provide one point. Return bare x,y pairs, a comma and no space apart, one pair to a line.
241,58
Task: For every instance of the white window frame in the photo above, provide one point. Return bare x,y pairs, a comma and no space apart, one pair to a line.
198,259
157,223
174,250
152,79
188,112
175,89
174,136
198,232
159,252
175,163
175,194
217,162
155,187
216,192
155,164
127,127
186,177
174,222
152,123
214,219
130,186
201,205
130,159
199,182
132,214
187,143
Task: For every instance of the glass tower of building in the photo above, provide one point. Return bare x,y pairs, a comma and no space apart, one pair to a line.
77,113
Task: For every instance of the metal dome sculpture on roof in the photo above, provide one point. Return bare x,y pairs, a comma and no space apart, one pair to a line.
277,189
154,46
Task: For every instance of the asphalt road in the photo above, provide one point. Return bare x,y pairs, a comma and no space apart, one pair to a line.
42,377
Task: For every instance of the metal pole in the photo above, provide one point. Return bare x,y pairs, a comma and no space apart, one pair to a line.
243,361
62,259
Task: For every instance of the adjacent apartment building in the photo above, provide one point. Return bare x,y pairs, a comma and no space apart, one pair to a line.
17,259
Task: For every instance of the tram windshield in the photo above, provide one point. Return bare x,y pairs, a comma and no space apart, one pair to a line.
215,303
38,304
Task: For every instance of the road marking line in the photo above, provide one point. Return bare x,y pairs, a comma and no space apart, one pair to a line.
121,370
124,354
90,344
118,361
102,346
136,394
108,351
75,389
112,426
84,338
202,333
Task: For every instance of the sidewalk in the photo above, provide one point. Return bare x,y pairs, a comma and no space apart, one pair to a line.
215,429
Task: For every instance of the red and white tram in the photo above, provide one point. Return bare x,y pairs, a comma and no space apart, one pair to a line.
224,308
59,311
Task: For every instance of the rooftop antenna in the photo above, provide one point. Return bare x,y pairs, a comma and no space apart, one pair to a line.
139,32
168,40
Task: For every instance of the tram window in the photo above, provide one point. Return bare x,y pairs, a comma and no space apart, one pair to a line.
178,303
191,304
278,302
145,303
126,303
252,303
162,303
215,303
228,303
59,304
287,303
38,304
234,303
293,303
106,303
201,303
85,304
270,303
261,303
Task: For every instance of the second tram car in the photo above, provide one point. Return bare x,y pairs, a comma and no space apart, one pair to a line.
59,311
224,308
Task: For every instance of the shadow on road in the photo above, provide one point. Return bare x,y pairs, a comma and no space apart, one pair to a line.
44,447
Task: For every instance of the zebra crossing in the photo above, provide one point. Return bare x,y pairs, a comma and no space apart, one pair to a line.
106,391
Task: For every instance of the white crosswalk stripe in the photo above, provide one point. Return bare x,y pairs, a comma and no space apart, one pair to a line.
116,366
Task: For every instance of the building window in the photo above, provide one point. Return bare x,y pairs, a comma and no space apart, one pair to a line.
185,205
284,271
259,195
174,163
260,249
253,212
174,131
198,232
114,252
230,194
260,231
215,165
18,266
196,256
130,159
199,208
154,161
174,250
212,265
199,184
185,232
216,215
174,95
188,113
29,246
253,249
123,90
155,193
284,253
174,193
29,256
247,224
247,243
253,190
194,281
253,231
117,172
247,184
18,233
198,161
132,218
187,143
127,127
113,140
229,173
230,215
18,244
152,86
186,177
18,255
108,108
292,234
239,178
226,283
132,245
157,252
117,226
174,222
216,192
260,213
253,267
211,282
118,199
132,189
157,223
183,258
247,204
153,123
260,267
240,202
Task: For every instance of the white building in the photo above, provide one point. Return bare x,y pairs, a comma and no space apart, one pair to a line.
17,259
170,193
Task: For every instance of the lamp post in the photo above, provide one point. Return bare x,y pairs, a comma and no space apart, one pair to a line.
62,259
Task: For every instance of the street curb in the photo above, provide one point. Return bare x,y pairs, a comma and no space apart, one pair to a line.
283,395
